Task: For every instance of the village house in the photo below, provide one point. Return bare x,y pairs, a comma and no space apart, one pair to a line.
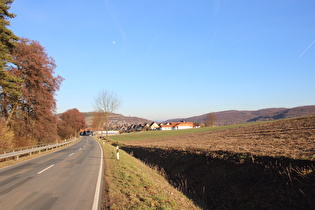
139,127
176,125
146,126
154,126
167,126
161,126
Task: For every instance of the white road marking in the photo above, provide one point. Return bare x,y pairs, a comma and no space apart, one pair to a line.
45,169
71,154
98,184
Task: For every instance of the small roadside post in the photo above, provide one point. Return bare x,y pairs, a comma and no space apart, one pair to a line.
117,152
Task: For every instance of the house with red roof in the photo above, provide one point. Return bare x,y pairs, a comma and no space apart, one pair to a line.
176,125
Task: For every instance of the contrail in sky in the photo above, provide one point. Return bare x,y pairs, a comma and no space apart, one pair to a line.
112,14
307,48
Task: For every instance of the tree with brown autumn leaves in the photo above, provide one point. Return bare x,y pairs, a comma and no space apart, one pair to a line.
34,118
27,88
70,123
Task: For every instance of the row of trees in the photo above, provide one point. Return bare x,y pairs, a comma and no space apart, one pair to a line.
27,90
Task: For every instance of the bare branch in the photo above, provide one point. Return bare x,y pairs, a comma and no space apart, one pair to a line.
106,103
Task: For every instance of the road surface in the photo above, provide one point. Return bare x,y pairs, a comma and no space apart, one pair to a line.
66,179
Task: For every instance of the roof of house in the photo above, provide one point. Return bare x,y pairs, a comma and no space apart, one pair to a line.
166,126
185,124
176,124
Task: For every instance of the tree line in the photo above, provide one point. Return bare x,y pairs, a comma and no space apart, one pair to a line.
28,86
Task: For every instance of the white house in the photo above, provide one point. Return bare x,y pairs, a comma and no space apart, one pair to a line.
177,126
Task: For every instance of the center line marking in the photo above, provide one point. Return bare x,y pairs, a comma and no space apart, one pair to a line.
45,169
71,154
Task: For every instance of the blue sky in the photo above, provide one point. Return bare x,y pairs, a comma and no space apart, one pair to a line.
176,58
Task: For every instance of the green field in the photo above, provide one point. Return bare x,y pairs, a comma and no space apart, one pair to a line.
160,134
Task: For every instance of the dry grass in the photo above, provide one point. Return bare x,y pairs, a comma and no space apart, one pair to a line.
224,180
263,166
130,184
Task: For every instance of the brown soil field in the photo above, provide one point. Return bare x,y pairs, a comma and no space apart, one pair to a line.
293,138
263,166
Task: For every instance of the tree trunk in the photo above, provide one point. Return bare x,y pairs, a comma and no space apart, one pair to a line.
8,119
107,124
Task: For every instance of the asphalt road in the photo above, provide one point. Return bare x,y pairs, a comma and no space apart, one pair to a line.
66,179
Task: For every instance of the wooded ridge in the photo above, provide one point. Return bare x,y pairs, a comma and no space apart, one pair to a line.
228,117
231,117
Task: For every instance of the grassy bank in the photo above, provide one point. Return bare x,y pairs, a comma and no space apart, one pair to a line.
268,165
130,184
225,180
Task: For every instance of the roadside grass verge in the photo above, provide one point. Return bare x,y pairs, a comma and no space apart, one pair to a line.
130,184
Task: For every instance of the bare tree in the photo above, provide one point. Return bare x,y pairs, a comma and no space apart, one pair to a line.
211,119
106,103
97,121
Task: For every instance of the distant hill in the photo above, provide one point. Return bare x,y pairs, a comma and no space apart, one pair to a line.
237,117
119,118
223,118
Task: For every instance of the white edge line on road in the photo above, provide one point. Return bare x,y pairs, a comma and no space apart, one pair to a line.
98,184
71,154
45,169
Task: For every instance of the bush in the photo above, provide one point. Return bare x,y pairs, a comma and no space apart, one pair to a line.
6,137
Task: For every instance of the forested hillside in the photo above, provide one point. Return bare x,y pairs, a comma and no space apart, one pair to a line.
118,118
237,117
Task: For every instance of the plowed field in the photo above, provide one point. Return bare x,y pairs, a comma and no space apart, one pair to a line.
294,138
262,166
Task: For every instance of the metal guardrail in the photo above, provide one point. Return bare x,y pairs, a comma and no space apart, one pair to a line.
17,154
